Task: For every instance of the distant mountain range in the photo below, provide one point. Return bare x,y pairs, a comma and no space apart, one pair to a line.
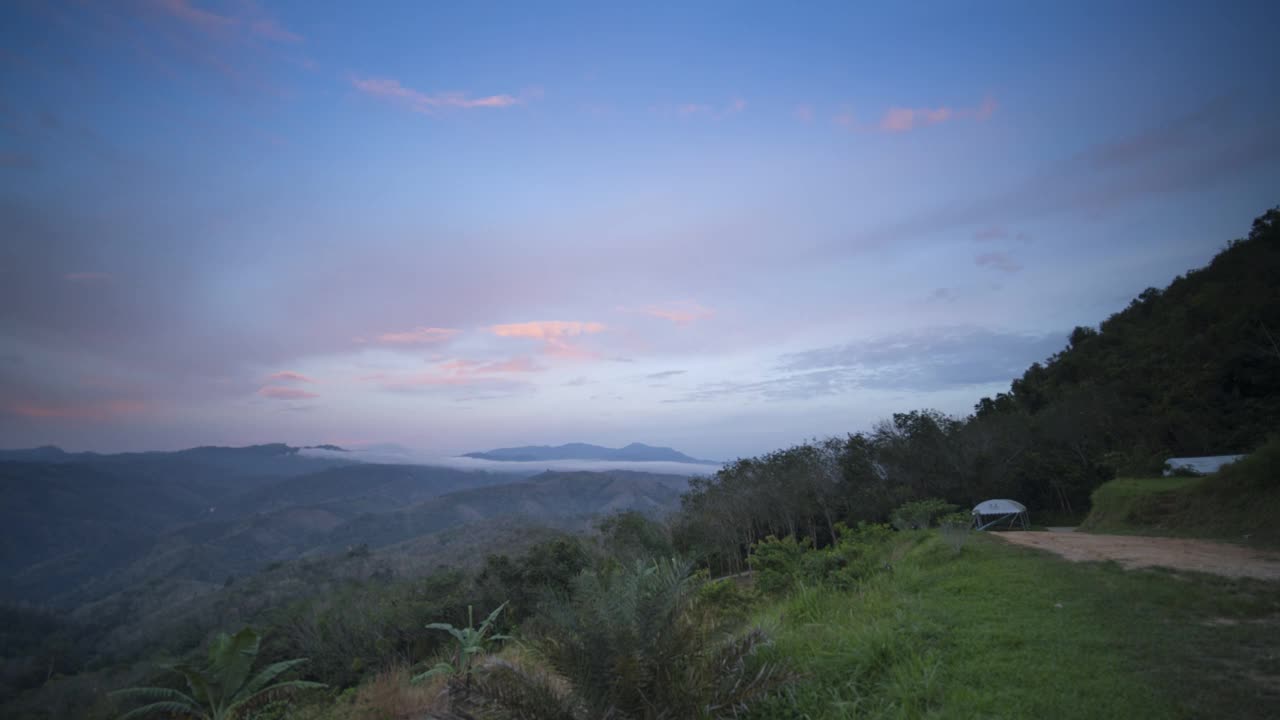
78,527
635,452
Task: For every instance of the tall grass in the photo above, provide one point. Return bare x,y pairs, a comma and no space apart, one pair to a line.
1003,632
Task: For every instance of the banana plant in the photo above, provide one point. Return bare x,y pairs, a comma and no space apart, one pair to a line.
470,641
221,691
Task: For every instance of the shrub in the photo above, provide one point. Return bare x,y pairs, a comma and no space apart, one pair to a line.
920,514
779,563
955,529
633,642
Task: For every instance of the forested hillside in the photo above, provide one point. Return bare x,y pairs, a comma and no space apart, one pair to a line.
1190,369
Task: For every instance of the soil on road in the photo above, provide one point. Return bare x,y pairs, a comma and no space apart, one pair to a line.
1135,551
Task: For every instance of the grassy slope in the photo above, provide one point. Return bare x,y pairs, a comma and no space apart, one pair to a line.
1001,631
1240,503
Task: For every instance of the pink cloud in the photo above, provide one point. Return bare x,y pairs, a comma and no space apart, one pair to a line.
552,333
186,12
460,372
277,392
697,109
517,364
998,261
79,277
392,91
418,336
272,30
547,329
681,313
251,19
92,411
803,113
289,376
900,119
993,232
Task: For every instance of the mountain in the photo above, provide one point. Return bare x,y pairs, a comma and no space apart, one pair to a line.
635,452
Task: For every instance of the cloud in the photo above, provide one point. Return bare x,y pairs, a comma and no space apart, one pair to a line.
904,119
289,376
991,232
680,313
998,261
932,359
923,361
277,392
552,333
944,295
702,109
803,113
86,277
577,382
17,161
664,374
251,19
547,329
460,372
392,91
418,336
91,411
187,13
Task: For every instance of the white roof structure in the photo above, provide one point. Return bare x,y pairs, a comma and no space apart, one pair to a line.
1006,512
999,507
1201,465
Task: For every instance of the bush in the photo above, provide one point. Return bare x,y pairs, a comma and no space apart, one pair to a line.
955,529
779,564
920,514
633,642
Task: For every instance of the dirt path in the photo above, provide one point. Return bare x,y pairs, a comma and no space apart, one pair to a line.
1134,551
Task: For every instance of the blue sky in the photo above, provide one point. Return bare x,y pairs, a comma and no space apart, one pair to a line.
724,227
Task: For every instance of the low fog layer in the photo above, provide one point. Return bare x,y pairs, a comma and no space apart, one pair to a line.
402,455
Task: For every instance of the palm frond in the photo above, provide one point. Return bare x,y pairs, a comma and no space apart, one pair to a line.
154,693
443,668
269,673
167,707
525,694
269,693
231,657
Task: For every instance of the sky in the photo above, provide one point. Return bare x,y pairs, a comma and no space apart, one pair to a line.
722,227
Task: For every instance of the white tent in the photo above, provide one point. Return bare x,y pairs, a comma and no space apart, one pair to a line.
993,512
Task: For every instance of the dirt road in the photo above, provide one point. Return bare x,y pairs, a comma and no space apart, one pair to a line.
1134,551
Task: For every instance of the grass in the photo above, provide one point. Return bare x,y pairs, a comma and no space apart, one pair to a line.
1005,632
1239,503
1205,507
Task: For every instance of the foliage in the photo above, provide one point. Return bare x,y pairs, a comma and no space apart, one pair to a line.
1003,632
634,642
361,628
223,690
781,565
629,536
1239,503
955,529
470,642
523,582
920,514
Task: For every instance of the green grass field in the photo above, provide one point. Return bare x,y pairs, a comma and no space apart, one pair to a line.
1006,632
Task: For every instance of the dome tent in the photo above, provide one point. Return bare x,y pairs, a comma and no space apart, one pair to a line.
993,512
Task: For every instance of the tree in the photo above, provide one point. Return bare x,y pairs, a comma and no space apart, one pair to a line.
633,643
223,690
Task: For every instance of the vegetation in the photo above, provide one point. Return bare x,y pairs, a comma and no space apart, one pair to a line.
861,607
224,690
1240,503
634,642
998,631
